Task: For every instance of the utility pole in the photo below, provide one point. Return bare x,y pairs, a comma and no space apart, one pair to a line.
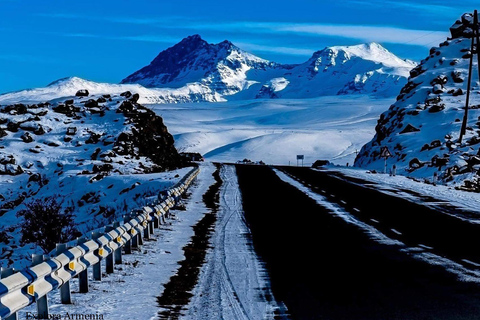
473,50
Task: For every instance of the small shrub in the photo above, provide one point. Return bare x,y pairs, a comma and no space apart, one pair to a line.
46,224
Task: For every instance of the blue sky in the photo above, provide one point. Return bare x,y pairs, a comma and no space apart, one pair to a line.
106,40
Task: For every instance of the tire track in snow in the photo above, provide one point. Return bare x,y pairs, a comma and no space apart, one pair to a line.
232,284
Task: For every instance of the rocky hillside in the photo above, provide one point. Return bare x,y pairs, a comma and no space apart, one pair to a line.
421,129
99,156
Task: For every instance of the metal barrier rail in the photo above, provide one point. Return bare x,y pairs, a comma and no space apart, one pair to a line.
32,284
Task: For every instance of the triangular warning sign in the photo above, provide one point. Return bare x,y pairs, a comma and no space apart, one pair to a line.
385,153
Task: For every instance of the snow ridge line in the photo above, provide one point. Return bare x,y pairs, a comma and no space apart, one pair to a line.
31,284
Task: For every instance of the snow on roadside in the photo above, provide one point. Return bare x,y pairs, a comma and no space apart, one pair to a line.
418,252
233,283
339,212
461,199
132,291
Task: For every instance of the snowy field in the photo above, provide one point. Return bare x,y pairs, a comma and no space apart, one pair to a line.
275,131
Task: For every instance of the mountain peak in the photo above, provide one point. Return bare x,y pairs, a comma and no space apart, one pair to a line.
192,60
372,51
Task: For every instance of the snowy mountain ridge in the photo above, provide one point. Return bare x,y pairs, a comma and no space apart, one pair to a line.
194,70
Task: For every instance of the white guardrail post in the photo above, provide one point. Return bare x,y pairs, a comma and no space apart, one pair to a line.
31,285
109,261
4,273
82,276
128,243
65,292
97,267
118,253
42,302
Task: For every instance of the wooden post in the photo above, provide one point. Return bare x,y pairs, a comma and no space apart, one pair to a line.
83,276
65,292
463,129
42,303
476,32
5,272
97,267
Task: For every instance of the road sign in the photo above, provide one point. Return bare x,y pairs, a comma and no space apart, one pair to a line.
385,153
300,156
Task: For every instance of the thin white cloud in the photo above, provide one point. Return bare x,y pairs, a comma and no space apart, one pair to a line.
274,49
142,38
361,33
366,33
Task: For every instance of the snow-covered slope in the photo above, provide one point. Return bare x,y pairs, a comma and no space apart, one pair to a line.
68,87
275,131
100,157
422,128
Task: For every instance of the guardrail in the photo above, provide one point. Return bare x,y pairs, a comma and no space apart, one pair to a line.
47,273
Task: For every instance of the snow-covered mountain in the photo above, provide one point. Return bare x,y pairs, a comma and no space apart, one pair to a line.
194,71
228,70
422,128
366,68
221,66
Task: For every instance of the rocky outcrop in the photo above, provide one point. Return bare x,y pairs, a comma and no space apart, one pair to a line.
149,137
422,128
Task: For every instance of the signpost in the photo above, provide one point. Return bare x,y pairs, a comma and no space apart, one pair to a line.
300,157
385,153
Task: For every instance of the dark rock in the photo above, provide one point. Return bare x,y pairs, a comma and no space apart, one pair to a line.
149,137
102,168
457,92
436,108
441,79
95,154
26,137
415,72
82,93
71,131
91,104
68,110
12,126
126,94
94,138
7,159
409,128
39,131
135,98
70,101
415,163
457,76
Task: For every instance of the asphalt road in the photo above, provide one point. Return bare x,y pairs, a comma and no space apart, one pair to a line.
324,268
